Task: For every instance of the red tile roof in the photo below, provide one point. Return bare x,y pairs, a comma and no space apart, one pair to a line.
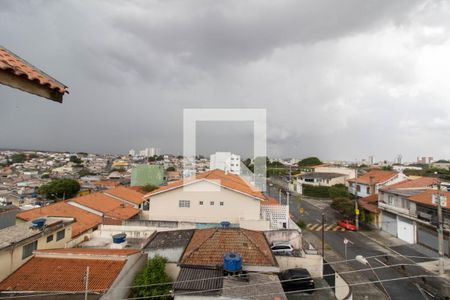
427,196
83,220
208,246
17,66
370,203
109,206
378,176
422,182
227,180
125,193
48,274
106,183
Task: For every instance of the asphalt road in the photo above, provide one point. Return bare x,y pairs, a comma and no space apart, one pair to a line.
358,245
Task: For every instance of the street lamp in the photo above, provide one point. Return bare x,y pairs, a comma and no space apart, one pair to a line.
364,261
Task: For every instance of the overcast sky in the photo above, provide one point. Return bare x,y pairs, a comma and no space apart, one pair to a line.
339,79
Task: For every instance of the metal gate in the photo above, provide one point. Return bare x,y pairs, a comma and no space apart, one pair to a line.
428,238
389,223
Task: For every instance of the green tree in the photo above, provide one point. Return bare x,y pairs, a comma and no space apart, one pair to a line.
170,169
75,159
18,158
148,188
344,206
60,188
152,281
387,168
309,161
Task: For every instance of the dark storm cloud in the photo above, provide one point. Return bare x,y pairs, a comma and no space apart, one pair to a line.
339,79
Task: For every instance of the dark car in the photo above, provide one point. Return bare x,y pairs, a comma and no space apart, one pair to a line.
297,279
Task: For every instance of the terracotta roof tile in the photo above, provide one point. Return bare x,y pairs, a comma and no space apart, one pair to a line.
422,182
109,206
378,176
83,220
63,274
208,246
127,194
227,180
427,196
370,203
19,67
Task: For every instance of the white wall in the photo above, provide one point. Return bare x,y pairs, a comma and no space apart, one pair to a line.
312,263
236,206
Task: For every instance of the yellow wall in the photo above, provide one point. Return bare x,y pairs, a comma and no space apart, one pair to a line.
11,259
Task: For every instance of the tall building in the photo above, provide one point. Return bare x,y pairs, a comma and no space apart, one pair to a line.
370,160
132,152
225,161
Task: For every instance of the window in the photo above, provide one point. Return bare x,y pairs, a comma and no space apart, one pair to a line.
358,188
367,190
221,203
27,250
60,234
211,203
184,203
200,202
50,238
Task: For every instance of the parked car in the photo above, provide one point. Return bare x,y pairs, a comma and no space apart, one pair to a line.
281,248
297,279
347,224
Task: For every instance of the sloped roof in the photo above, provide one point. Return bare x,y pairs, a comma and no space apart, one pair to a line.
227,180
83,220
427,196
48,274
369,203
109,206
378,176
422,182
126,193
208,247
16,66
89,251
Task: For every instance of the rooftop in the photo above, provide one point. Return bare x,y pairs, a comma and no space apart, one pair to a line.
65,273
319,175
425,197
208,246
376,176
170,239
83,220
15,234
226,180
421,182
126,194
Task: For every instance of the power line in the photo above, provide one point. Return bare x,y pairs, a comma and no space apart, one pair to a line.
224,277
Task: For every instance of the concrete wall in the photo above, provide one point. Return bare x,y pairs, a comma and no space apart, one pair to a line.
313,263
120,287
260,225
11,258
172,270
165,206
342,290
293,236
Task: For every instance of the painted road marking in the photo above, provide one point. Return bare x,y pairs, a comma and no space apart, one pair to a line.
313,226
327,227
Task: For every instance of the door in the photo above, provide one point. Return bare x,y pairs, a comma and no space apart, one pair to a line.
405,230
428,238
389,223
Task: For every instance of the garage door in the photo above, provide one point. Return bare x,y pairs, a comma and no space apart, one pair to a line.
405,230
389,223
428,237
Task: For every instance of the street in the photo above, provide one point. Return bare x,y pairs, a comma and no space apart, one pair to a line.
358,244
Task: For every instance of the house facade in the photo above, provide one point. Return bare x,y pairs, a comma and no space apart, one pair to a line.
372,181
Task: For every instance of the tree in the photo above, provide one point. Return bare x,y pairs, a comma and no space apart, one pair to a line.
344,206
387,168
60,188
309,161
75,159
18,158
152,281
170,169
148,188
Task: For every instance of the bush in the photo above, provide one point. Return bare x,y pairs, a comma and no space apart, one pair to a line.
316,191
301,224
344,206
338,191
153,273
148,188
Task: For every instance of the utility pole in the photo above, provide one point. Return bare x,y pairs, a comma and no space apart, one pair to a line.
440,231
287,208
356,198
323,235
86,282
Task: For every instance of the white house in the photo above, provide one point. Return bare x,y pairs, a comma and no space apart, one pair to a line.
373,180
215,196
225,161
319,179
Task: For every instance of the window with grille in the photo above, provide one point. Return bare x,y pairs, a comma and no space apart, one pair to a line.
60,234
184,203
27,250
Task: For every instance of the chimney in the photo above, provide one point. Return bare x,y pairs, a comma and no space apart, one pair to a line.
372,185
